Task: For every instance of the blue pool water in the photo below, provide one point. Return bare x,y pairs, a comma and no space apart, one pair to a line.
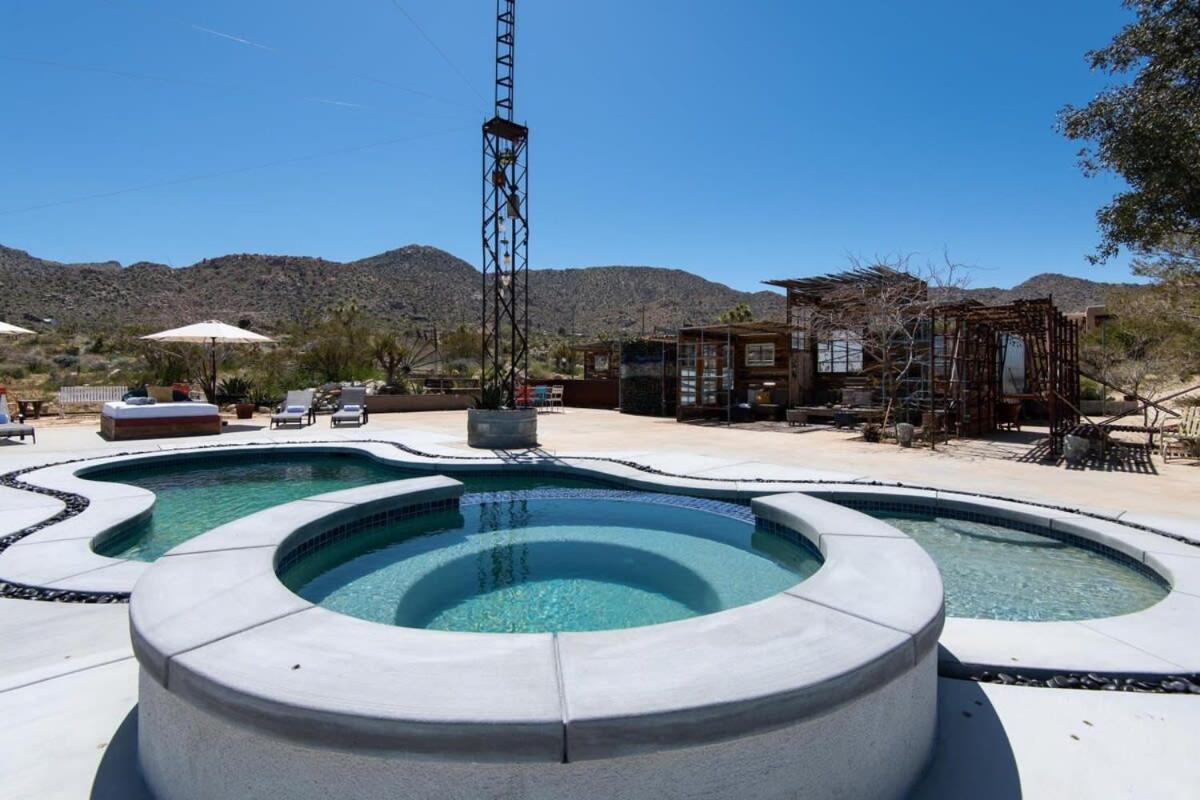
997,572
542,565
192,497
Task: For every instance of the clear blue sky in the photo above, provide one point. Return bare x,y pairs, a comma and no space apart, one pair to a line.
741,141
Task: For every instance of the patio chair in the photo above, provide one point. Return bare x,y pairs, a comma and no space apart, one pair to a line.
556,398
352,408
10,428
1185,436
541,396
296,410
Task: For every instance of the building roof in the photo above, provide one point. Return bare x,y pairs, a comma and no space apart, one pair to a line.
819,287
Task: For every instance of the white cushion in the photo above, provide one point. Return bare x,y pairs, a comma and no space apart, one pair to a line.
123,410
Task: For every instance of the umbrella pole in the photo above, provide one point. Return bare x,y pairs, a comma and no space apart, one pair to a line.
213,354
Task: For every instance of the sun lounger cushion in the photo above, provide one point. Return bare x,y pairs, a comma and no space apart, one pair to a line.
14,429
295,409
123,410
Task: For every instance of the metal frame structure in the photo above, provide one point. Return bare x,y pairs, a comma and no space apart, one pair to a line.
722,374
504,353
966,351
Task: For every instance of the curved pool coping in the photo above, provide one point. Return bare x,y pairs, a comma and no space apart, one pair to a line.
213,626
1159,641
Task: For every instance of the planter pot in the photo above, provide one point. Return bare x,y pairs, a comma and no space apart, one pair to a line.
503,429
904,434
244,410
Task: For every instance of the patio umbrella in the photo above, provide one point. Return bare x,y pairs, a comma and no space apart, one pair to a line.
12,330
210,333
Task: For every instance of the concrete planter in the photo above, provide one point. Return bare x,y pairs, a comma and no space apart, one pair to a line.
391,403
503,429
904,434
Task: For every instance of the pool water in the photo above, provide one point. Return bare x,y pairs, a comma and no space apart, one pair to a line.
196,496
995,572
545,565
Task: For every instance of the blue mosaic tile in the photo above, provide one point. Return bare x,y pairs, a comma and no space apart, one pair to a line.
328,536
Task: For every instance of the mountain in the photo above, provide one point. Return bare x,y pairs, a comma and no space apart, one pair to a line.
1069,293
416,283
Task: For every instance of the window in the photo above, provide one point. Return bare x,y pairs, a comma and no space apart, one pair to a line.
600,363
687,374
799,339
840,352
760,354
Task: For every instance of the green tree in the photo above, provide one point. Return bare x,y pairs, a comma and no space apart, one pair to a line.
1147,131
339,348
739,313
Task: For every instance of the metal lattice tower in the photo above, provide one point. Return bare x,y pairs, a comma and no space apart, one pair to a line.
505,314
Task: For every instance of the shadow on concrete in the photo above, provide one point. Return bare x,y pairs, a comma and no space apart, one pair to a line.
972,756
118,777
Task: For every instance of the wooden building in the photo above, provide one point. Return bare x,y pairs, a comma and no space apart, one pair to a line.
875,337
846,333
734,371
601,360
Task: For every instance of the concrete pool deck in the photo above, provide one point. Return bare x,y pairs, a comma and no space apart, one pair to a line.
68,678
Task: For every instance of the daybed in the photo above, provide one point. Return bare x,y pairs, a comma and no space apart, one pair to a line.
123,420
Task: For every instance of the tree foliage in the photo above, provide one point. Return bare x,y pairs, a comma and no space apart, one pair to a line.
1146,130
739,313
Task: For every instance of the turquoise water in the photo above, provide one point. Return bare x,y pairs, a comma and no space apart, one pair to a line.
195,497
994,572
551,565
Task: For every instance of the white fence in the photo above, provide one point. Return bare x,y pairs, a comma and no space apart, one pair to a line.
74,396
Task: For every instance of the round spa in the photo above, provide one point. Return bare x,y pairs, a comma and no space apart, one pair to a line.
400,640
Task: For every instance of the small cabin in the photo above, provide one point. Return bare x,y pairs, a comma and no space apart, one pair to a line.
733,371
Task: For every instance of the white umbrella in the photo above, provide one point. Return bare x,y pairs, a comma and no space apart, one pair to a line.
12,330
210,333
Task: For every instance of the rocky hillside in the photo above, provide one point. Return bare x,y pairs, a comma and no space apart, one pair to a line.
414,283
417,283
1069,293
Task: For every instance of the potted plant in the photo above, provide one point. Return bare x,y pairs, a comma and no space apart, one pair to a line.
493,425
237,391
872,432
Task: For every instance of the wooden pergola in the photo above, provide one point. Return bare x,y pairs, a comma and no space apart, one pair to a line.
967,355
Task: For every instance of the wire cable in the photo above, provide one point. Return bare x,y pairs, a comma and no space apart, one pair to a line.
440,52
323,65
204,84
231,171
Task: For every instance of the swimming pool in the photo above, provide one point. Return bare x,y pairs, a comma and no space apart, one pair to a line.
991,569
995,571
197,495
535,562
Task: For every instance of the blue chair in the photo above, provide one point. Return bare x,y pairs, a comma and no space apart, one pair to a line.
541,396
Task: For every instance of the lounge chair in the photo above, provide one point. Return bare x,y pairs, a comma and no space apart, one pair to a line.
1185,435
556,398
296,410
10,428
352,408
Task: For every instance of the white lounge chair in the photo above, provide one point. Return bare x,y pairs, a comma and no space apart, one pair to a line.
296,410
352,408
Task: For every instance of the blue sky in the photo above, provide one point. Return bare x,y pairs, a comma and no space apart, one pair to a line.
741,141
